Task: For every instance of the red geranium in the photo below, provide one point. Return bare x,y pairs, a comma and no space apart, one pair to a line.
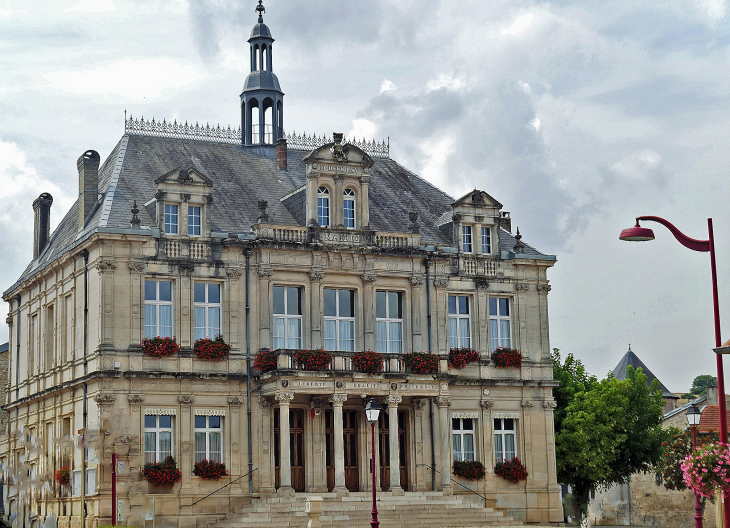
504,357
459,357
368,361
210,469
318,359
512,470
62,475
213,349
470,470
421,362
162,473
160,346
265,361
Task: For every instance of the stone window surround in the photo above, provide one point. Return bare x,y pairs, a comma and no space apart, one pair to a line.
337,184
461,432
458,316
504,432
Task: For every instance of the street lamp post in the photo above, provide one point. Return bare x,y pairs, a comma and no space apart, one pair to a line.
641,234
693,417
372,411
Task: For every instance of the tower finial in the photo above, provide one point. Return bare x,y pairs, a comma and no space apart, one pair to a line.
260,9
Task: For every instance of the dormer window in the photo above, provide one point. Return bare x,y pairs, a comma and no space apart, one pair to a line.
171,219
193,220
323,207
349,208
486,241
466,245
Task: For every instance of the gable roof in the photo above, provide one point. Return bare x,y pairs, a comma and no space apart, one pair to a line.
710,419
632,359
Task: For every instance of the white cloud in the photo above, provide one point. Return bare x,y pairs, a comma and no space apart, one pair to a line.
363,128
92,6
387,86
447,81
520,24
6,11
637,165
131,79
436,152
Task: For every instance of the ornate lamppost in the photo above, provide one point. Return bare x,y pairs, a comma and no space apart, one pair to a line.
372,411
693,417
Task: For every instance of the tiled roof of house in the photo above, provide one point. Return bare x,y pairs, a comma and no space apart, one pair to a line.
710,420
632,359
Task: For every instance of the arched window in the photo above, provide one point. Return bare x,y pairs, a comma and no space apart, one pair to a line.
349,208
323,207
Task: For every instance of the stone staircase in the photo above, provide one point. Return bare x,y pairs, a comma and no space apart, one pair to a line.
421,509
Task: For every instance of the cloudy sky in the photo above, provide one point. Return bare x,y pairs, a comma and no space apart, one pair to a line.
578,116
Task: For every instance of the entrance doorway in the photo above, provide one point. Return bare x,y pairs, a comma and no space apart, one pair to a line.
296,448
384,447
349,430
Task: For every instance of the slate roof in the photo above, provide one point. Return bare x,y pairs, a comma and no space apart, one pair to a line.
632,359
685,407
241,176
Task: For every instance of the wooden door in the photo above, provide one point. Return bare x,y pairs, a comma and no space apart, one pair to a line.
349,426
384,448
296,449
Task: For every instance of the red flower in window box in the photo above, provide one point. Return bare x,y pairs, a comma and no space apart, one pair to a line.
318,359
162,474
62,475
470,470
160,346
212,349
504,357
210,469
460,357
421,362
368,361
265,361
513,470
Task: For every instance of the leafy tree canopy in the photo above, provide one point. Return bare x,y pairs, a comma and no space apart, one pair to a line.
701,382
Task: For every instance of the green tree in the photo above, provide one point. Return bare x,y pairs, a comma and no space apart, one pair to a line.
701,383
604,431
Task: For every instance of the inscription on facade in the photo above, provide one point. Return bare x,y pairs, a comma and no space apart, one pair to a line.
372,385
340,168
311,384
419,387
350,238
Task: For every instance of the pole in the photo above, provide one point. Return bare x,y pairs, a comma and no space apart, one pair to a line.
698,506
114,489
374,523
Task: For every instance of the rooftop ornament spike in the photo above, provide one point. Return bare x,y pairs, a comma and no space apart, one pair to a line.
135,222
260,9
519,245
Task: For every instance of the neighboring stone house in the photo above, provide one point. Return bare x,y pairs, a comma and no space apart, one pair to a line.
277,243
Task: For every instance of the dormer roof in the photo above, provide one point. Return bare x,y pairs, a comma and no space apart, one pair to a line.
477,198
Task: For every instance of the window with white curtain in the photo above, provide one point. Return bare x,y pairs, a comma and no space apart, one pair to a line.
287,317
459,321
486,241
193,220
462,431
505,447
466,246
389,321
339,320
171,219
208,438
500,322
207,300
349,208
323,207
157,438
157,308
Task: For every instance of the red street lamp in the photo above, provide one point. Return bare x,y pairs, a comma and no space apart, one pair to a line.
372,411
693,417
640,234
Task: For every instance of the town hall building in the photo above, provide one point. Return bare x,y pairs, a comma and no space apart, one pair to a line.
278,243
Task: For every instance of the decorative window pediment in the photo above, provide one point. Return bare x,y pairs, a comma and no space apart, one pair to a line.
181,202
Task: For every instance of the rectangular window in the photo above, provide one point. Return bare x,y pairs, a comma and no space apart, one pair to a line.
323,207
69,328
500,322
486,241
49,337
339,320
389,320
287,317
208,438
157,438
157,308
32,360
466,239
90,481
504,439
207,300
171,219
193,221
463,439
459,322
349,208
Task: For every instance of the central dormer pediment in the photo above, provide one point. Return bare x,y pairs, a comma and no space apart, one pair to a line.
185,176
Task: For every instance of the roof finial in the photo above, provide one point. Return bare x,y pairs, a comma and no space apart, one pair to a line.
519,246
260,9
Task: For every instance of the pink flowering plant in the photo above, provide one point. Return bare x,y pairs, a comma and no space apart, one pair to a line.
707,470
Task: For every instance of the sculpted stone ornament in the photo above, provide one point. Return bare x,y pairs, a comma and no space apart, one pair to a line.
487,404
420,403
526,403
105,399
186,399
338,399
136,266
368,278
522,287
416,281
265,402
365,179
316,275
284,398
337,153
549,405
394,399
185,197
186,270
106,265
135,399
235,400
543,288
234,273
265,272
443,401
441,283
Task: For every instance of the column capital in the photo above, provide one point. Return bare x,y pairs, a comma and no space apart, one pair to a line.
338,399
284,398
487,404
393,400
443,401
265,402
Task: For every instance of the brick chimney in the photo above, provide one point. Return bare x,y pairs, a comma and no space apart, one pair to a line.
281,154
42,225
88,165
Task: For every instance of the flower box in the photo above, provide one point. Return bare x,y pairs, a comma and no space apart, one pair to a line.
460,357
368,361
162,474
210,470
316,360
504,357
512,470
212,349
160,346
62,475
421,362
469,470
265,361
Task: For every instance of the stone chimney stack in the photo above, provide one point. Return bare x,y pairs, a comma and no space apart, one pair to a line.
42,225
281,154
88,165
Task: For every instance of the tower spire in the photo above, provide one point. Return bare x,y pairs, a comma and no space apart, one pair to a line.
260,9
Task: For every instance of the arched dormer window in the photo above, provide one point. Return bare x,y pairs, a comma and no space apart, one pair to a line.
349,208
323,207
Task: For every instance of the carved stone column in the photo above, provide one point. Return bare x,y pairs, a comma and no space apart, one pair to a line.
315,294
135,297
337,401
284,398
419,406
440,317
336,202
265,465
264,274
185,323
393,401
312,182
232,331
416,286
364,200
368,283
444,402
543,290
106,287
237,460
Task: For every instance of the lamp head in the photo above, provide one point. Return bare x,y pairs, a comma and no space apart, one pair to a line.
372,411
637,234
693,416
